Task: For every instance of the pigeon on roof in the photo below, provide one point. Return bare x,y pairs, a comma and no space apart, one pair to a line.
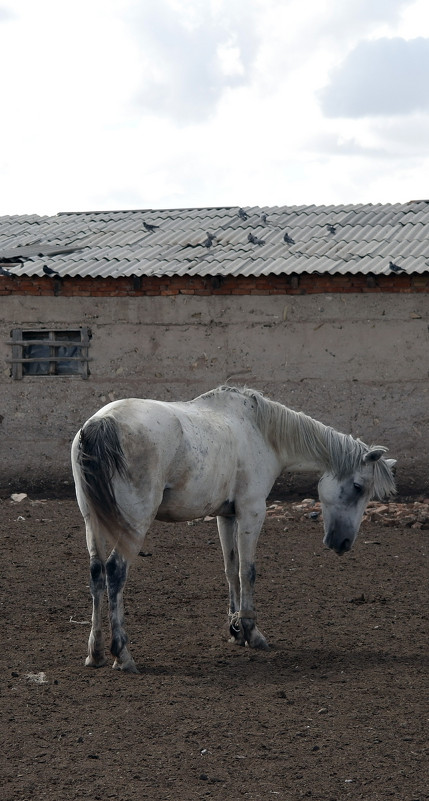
254,240
49,271
149,227
395,267
209,241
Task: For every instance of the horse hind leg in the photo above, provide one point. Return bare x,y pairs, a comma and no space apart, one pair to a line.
96,655
97,584
117,571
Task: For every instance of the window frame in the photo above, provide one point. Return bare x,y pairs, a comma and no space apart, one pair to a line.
79,337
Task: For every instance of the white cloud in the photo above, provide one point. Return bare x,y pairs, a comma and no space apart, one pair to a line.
190,53
358,18
146,103
381,77
6,14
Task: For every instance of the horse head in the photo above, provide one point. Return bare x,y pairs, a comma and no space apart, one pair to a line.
344,498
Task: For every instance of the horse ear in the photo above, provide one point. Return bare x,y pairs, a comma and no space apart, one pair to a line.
374,454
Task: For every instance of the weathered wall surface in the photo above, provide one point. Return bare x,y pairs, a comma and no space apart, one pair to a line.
356,362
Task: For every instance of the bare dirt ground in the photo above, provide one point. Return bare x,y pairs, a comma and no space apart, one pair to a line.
337,709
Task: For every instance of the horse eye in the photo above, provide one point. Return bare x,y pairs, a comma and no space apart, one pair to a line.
358,487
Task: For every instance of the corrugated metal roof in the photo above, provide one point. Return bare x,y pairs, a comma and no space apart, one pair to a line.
363,238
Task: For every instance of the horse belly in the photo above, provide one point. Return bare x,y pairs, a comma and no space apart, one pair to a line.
181,504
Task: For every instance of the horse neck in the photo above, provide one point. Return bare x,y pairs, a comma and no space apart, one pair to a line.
300,441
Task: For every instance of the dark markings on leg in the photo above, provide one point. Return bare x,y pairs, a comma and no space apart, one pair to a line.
235,629
117,644
116,570
116,574
237,636
98,575
248,626
227,509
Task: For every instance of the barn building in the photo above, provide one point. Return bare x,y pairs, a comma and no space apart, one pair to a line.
323,308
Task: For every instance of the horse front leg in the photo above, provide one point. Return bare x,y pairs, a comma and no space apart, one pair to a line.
249,527
117,572
227,534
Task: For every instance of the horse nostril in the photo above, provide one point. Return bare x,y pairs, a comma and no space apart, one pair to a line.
339,546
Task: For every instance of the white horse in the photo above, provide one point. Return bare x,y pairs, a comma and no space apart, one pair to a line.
139,460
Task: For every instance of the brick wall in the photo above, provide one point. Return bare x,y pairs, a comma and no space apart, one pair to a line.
133,286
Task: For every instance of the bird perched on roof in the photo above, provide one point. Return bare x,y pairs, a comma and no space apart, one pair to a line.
264,218
6,273
209,241
254,240
242,214
331,228
149,227
288,239
49,271
395,267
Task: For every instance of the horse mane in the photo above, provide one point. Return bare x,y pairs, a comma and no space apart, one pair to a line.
301,435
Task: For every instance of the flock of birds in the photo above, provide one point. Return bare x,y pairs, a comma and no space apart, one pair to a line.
208,242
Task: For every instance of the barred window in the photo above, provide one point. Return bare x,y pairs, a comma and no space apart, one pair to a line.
46,352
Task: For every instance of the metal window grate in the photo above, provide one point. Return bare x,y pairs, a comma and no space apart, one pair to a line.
50,352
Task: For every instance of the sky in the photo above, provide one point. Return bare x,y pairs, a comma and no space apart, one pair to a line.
139,104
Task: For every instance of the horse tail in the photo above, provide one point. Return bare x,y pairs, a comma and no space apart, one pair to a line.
100,463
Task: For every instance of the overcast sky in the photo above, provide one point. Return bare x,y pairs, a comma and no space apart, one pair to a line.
122,104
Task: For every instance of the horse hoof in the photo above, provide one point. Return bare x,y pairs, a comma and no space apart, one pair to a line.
126,667
237,641
95,663
258,641
260,645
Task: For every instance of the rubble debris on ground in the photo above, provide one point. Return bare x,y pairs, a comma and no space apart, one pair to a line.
37,678
411,515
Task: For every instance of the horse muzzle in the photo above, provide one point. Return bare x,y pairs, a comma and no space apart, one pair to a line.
339,544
